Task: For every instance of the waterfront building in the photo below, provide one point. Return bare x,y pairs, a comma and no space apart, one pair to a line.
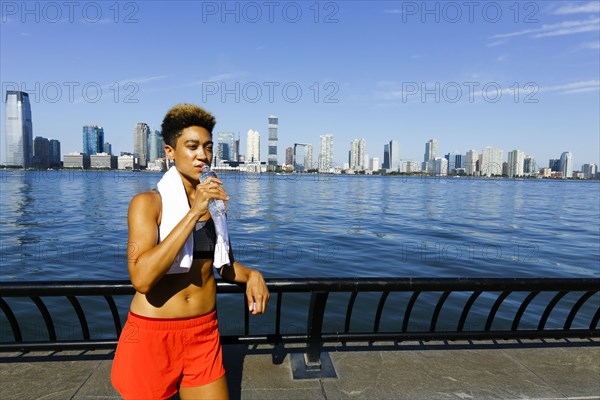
516,163
236,149
156,146
386,157
394,161
289,156
456,161
93,139
141,133
357,156
225,147
107,148
309,157
272,154
300,155
76,160
375,164
440,165
471,162
18,128
41,152
589,170
126,161
252,146
54,153
326,154
103,161
554,164
431,150
491,162
529,167
566,164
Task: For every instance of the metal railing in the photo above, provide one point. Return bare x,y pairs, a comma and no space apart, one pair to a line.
547,293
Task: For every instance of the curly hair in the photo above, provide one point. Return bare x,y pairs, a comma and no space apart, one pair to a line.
183,116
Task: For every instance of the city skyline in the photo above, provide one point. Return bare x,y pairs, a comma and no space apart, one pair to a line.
508,75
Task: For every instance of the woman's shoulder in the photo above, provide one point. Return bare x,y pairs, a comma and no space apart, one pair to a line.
148,201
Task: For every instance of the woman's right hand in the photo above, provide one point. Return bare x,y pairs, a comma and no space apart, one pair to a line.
210,188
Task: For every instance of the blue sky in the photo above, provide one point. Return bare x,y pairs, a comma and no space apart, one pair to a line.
512,75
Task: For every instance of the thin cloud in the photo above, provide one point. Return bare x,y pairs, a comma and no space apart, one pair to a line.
590,45
558,29
591,7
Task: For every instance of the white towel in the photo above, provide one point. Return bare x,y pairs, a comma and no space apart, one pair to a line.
222,245
174,207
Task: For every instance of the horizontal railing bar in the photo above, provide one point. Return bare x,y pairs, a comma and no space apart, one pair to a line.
12,289
329,338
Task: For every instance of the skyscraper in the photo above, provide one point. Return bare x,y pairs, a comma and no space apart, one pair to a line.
431,150
93,139
589,170
386,156
394,161
516,163
253,147
272,155
491,161
471,162
309,156
326,153
140,143
566,164
54,153
300,157
357,159
18,129
41,152
156,146
225,146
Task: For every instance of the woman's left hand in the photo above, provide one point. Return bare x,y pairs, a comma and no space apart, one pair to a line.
257,293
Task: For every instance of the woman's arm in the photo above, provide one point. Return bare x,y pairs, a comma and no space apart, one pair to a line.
257,292
148,261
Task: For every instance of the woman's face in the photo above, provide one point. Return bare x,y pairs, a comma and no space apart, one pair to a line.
193,150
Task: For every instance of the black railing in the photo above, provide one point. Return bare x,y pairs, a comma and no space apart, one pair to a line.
548,294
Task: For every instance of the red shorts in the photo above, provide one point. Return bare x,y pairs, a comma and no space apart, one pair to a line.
155,357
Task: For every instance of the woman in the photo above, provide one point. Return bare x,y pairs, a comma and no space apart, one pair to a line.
170,342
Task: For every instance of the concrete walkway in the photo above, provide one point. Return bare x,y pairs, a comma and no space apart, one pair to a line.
484,370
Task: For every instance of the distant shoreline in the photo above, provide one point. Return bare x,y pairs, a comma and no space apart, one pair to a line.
392,175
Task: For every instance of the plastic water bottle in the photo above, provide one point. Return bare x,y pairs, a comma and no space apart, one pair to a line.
217,207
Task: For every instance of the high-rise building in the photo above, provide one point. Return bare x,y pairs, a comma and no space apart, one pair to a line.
272,154
529,167
140,143
456,161
309,156
554,164
375,164
471,163
253,147
394,161
386,156
54,153
225,146
93,139
440,166
300,157
326,154
589,170
357,159
566,164
18,129
41,152
236,149
156,146
491,161
516,163
431,150
107,148
289,156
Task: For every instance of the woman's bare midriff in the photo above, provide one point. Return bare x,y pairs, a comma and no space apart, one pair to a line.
184,295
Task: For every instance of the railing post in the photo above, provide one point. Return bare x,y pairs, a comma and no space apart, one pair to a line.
314,363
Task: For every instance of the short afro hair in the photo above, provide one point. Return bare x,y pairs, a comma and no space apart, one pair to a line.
183,116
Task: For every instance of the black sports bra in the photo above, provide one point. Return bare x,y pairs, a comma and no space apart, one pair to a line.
205,238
